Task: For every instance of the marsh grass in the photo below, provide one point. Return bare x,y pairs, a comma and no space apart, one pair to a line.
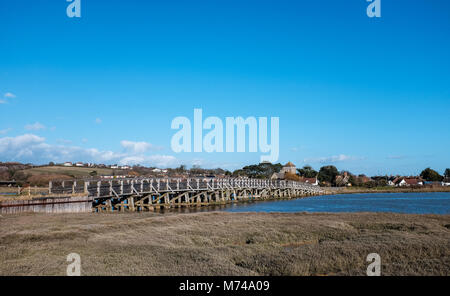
225,243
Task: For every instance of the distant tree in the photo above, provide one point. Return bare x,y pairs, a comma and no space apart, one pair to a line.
370,184
328,174
291,177
262,171
181,169
197,170
307,172
239,173
447,173
20,176
381,182
353,180
430,175
51,163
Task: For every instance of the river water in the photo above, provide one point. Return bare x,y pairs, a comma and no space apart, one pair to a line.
410,203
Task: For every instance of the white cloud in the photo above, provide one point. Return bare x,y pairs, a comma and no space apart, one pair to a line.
154,160
34,127
332,159
20,146
98,120
138,147
3,102
34,149
9,95
5,131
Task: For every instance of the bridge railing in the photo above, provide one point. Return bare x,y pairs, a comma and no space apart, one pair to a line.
131,186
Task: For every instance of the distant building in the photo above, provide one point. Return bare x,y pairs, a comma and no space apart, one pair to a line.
79,164
288,168
114,166
156,170
342,180
407,182
312,181
68,164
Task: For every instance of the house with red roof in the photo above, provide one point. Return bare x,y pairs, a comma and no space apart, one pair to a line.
407,182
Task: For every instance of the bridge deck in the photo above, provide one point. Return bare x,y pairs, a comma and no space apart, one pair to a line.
150,194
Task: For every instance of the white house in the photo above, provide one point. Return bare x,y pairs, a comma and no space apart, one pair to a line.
409,182
68,164
312,181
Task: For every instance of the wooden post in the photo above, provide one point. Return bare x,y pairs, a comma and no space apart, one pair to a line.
131,204
86,186
50,184
109,205
99,183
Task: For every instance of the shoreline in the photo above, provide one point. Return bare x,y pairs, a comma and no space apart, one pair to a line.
345,190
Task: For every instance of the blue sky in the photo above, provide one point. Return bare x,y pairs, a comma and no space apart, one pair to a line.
366,95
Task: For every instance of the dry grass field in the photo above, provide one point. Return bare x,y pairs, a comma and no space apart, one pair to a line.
216,243
75,172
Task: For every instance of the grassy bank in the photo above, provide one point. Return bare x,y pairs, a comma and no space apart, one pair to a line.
74,172
225,244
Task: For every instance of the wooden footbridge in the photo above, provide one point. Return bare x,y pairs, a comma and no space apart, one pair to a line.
140,194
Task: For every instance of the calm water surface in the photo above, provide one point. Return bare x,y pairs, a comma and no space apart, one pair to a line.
410,203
